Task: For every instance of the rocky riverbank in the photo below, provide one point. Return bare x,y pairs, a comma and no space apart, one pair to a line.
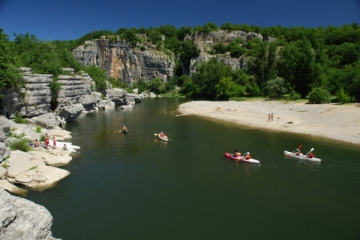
339,122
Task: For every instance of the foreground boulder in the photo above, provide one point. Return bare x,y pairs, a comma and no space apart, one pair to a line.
22,219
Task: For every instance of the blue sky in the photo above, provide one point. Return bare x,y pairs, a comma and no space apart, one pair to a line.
71,19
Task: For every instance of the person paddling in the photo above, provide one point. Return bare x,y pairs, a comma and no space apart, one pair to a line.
236,154
247,155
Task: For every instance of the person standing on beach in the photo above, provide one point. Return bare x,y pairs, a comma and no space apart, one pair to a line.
272,116
269,117
54,142
47,141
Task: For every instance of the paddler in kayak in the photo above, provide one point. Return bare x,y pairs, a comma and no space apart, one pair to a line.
247,155
297,152
236,154
310,155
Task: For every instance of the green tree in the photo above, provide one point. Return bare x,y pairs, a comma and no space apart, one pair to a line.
297,65
263,64
235,49
319,95
99,77
156,85
342,97
9,66
188,51
276,87
208,75
227,88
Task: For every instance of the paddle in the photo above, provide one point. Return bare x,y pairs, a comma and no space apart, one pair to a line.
312,149
297,148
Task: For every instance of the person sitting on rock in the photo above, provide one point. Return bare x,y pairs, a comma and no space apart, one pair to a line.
37,143
65,147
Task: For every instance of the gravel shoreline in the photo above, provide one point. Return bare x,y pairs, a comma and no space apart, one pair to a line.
339,122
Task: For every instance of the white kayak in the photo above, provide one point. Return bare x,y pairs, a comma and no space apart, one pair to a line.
300,156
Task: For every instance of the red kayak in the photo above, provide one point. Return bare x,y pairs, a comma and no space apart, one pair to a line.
240,158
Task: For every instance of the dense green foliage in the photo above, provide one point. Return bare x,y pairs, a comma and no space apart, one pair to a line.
319,95
21,144
9,73
300,61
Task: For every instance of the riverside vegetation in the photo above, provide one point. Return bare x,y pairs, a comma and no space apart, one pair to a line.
315,63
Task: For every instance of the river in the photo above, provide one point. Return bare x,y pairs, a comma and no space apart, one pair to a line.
136,187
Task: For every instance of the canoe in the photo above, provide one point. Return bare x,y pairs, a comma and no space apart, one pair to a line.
300,157
241,158
164,139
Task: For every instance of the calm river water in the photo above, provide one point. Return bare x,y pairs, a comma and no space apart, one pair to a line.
136,187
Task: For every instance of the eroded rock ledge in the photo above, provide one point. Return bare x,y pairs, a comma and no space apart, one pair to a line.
23,219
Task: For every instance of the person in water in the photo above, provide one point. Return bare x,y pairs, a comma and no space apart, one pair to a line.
247,155
124,128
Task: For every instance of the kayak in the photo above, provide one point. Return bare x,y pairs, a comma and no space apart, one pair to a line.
300,157
162,138
241,158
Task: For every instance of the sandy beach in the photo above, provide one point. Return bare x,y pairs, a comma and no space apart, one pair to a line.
339,122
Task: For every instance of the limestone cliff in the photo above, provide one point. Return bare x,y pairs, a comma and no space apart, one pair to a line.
121,61
205,41
73,87
32,100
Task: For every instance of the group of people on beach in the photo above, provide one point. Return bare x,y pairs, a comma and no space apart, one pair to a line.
46,143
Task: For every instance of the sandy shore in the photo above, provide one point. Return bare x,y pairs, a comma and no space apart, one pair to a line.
340,122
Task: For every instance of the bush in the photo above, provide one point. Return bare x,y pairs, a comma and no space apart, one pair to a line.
20,144
319,95
342,97
38,129
19,119
294,96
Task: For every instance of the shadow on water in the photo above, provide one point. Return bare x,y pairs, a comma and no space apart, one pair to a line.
136,186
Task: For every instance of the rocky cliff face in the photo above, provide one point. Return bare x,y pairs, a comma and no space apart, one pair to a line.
121,61
73,87
205,41
32,100
22,219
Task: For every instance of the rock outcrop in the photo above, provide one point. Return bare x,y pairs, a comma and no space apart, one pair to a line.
73,87
122,61
23,219
47,120
32,100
